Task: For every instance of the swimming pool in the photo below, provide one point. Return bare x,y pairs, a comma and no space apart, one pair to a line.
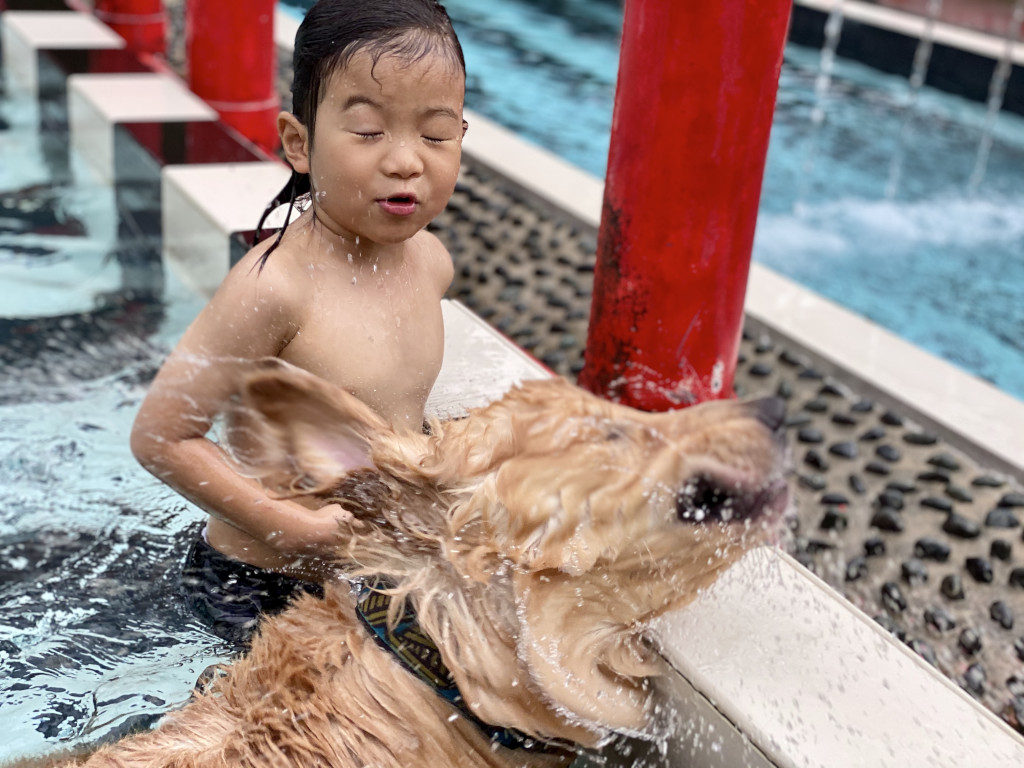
91,634
872,206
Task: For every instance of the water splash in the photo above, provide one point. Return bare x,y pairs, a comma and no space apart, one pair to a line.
822,86
919,71
996,93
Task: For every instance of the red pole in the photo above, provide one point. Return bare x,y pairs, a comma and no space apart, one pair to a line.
693,110
233,64
142,23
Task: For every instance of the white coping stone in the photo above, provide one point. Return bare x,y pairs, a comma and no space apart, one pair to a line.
97,103
912,25
203,205
949,396
814,682
26,33
479,366
534,169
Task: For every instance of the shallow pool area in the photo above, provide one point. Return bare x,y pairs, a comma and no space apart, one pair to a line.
904,205
92,635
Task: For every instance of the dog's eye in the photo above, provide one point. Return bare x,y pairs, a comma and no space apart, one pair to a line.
701,499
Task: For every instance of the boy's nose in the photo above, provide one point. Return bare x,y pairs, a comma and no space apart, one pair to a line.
402,160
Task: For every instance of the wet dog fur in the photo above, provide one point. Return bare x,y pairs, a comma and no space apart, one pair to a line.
536,538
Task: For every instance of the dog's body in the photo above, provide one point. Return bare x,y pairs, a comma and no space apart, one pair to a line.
535,539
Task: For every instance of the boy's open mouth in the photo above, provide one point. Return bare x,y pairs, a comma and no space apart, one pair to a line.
398,205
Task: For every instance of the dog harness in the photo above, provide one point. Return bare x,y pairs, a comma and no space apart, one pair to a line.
420,655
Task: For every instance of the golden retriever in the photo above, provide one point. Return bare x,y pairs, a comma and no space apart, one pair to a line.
535,540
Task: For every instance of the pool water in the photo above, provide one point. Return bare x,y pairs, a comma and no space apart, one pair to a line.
886,205
92,635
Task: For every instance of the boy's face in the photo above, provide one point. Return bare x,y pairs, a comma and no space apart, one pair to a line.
386,146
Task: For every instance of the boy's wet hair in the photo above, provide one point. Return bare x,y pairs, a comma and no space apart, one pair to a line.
332,32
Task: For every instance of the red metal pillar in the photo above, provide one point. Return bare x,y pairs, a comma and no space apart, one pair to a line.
693,110
232,61
142,23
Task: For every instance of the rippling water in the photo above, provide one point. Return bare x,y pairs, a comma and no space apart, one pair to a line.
91,629
92,636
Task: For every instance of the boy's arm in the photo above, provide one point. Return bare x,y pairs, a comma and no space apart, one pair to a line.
247,319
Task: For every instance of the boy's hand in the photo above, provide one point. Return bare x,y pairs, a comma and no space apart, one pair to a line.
341,515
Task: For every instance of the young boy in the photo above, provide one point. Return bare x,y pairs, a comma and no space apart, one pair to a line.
350,291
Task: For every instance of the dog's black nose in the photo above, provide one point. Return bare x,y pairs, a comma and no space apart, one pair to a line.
771,411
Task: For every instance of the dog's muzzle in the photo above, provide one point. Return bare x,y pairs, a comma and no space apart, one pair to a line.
708,499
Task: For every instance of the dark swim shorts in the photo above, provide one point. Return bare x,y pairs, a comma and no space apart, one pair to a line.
230,596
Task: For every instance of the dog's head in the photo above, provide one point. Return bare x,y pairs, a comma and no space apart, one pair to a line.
563,522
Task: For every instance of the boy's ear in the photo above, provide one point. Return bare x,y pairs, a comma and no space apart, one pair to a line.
294,141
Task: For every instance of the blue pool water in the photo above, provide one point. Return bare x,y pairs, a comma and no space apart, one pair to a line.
873,207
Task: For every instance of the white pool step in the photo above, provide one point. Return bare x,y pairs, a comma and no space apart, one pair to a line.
204,206
99,103
27,35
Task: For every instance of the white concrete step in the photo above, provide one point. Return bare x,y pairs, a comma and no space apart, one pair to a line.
204,205
26,35
98,104
798,677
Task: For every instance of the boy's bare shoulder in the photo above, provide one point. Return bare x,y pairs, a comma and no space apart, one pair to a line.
273,281
436,259
255,311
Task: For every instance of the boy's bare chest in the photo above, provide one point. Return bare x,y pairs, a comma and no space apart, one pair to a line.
382,340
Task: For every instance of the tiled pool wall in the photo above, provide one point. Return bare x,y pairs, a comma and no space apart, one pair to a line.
961,61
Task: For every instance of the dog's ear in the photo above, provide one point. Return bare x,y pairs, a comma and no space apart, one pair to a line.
547,513
299,433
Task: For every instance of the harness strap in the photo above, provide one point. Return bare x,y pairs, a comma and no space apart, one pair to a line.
420,655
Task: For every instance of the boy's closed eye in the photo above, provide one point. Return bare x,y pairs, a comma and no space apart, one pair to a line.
440,137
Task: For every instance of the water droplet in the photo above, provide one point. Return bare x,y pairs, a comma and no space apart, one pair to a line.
353,279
